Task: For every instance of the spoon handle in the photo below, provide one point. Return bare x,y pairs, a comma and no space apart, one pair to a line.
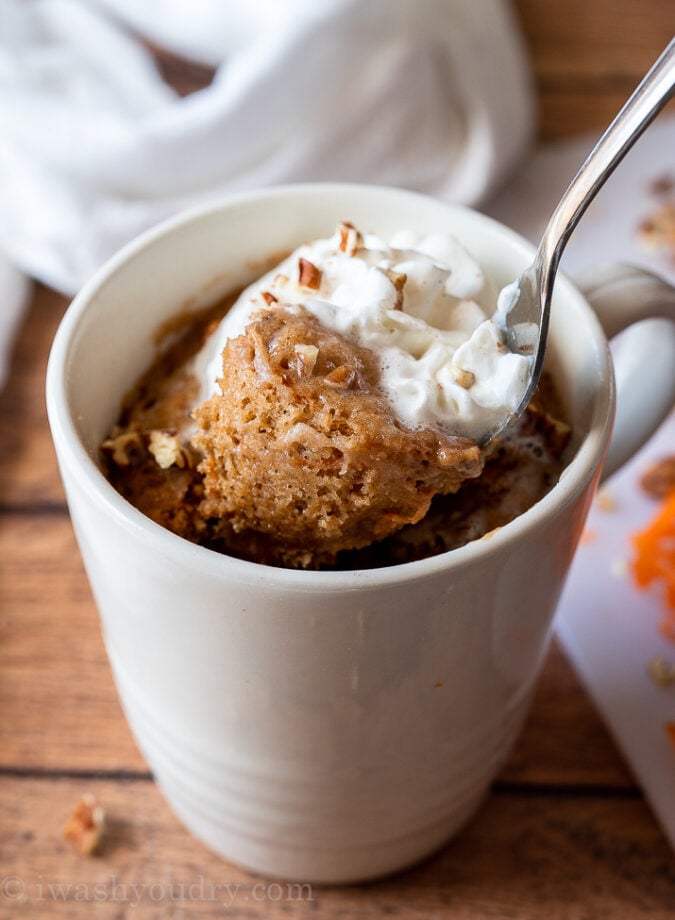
653,92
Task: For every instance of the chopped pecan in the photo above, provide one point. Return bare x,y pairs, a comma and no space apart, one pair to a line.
659,480
86,826
309,275
463,378
605,501
350,238
398,279
662,186
167,450
307,355
657,232
122,446
662,672
269,298
345,376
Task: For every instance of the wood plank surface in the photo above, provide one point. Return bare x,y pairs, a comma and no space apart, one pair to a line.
587,56
28,473
538,857
594,39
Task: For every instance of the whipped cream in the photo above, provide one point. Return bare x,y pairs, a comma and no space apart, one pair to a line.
421,303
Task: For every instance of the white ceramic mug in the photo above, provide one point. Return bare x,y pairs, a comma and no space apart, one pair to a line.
323,726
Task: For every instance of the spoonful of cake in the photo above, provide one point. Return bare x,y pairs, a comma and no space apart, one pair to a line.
523,307
361,377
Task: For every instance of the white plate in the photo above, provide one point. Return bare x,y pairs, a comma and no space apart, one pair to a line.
609,629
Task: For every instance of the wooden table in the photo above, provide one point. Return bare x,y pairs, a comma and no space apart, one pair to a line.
566,832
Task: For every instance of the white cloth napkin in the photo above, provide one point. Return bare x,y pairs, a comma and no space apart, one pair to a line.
432,95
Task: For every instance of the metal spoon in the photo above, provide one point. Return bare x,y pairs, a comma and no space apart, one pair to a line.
527,302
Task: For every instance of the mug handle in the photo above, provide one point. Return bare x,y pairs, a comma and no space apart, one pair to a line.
644,360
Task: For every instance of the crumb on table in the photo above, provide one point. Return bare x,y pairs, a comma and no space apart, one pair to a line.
86,826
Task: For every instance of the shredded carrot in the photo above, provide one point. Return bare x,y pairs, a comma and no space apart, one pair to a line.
655,560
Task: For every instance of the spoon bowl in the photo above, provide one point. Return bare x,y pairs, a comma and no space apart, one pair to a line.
524,306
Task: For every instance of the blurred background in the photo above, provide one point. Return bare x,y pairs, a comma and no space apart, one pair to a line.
117,114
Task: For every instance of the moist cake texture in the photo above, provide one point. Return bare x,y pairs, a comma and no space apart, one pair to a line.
300,461
301,449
